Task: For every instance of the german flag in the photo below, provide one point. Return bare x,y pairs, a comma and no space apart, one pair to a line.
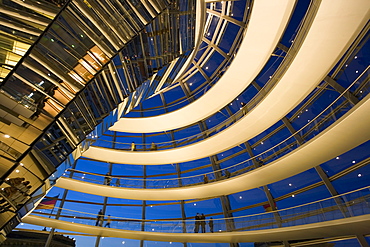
47,203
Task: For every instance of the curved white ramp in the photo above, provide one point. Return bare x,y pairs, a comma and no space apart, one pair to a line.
267,24
334,228
348,132
333,30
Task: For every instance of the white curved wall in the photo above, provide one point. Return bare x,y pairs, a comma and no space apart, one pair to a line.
333,30
267,24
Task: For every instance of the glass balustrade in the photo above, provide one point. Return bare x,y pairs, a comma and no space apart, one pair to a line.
354,203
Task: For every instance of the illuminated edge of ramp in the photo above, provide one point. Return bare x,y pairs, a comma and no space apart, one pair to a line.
268,22
333,30
349,131
334,228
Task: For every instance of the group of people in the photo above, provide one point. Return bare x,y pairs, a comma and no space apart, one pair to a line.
200,223
14,195
227,175
153,146
100,219
108,180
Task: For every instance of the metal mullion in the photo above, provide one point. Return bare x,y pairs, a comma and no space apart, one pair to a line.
138,13
16,38
156,5
149,8
268,194
228,18
61,205
220,31
292,131
178,171
50,65
93,94
114,76
362,240
215,35
232,155
24,15
164,103
239,40
129,72
143,206
75,120
132,22
144,55
83,27
205,56
20,27
70,52
153,38
108,85
85,110
106,198
208,21
186,90
247,13
25,81
215,47
103,91
333,192
91,18
324,119
341,90
53,58
225,202
188,74
256,86
202,72
71,34
64,89
127,29
318,169
57,35
103,12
